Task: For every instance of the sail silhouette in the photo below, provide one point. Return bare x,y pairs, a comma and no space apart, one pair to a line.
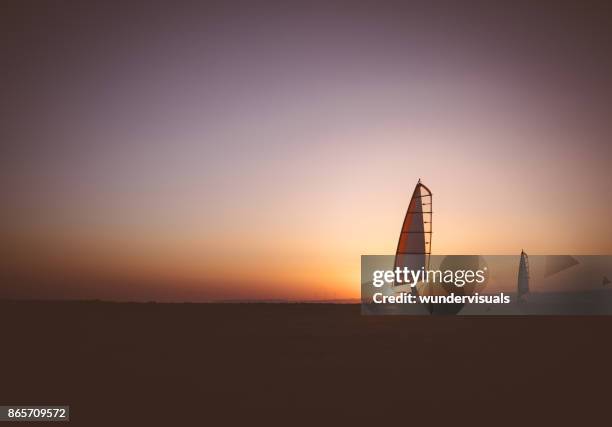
558,263
523,276
414,244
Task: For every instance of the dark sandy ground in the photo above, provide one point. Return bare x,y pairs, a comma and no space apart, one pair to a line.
288,364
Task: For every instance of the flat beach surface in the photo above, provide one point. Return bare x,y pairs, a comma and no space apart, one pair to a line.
287,364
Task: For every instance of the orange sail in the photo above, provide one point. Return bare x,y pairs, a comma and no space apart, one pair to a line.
414,245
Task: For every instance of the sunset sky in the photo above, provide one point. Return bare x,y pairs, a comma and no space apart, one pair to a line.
186,152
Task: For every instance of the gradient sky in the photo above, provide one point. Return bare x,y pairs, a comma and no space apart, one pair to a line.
181,151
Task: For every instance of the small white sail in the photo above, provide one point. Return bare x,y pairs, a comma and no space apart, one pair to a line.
523,275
